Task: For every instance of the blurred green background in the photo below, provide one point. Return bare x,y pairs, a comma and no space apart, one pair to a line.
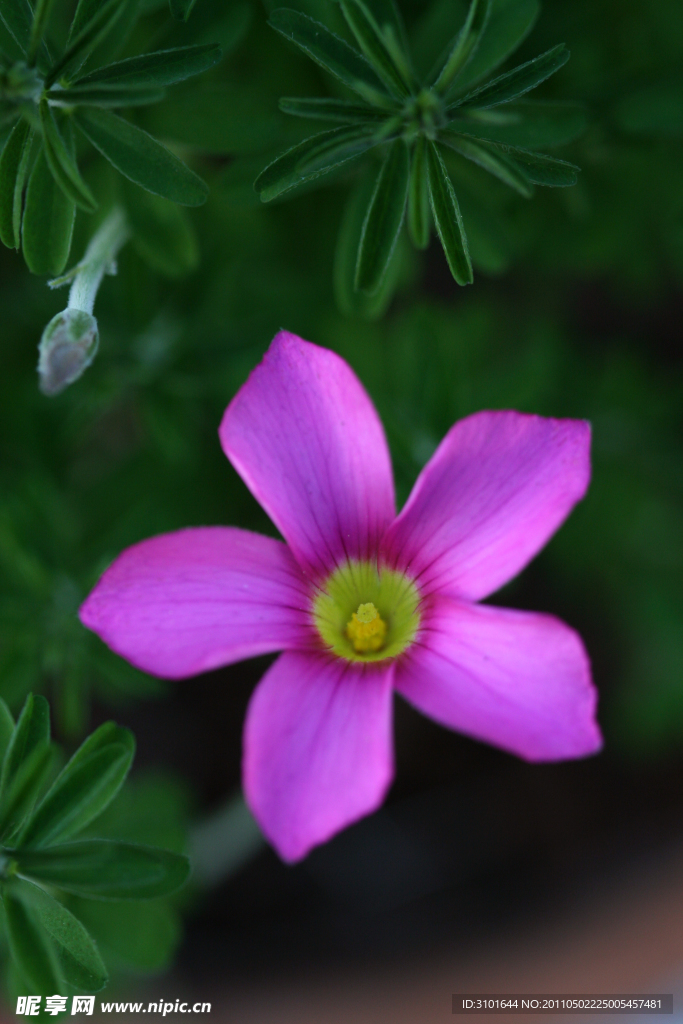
575,311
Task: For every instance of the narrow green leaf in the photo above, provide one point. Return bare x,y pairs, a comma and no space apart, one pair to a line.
6,728
78,795
141,158
371,41
545,170
329,153
465,43
283,173
518,81
30,948
418,196
17,17
48,222
181,9
41,16
32,730
492,160
158,69
331,53
383,219
20,795
62,164
390,23
509,24
330,110
77,955
93,21
104,869
13,160
447,217
526,124
162,233
104,96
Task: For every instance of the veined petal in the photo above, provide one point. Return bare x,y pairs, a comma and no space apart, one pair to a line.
307,441
494,492
186,602
518,680
317,748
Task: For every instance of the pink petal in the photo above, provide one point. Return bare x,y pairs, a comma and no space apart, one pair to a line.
305,438
317,748
190,601
496,489
517,680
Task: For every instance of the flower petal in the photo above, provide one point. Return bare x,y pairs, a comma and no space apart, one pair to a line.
496,489
517,680
317,748
307,441
186,602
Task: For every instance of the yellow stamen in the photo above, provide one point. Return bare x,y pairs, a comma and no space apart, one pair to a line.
366,629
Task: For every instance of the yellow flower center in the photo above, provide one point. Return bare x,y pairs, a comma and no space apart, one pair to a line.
366,629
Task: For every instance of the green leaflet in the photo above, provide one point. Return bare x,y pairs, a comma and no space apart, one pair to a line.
158,69
13,170
495,161
546,170
32,730
330,110
518,81
447,217
104,96
390,67
30,947
17,17
76,953
141,158
418,196
6,728
41,15
62,165
93,21
20,795
509,24
330,52
528,124
383,219
82,790
181,9
105,869
465,43
327,149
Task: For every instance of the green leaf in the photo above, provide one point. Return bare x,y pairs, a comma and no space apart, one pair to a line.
6,728
384,219
30,948
526,124
104,869
418,196
77,956
492,160
17,17
41,16
82,790
158,69
93,21
181,9
141,158
465,43
104,96
61,163
518,81
13,170
162,233
447,217
330,110
331,53
32,730
545,170
394,73
20,795
509,24
329,153
284,174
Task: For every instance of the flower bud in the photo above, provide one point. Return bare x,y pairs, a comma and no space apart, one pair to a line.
67,347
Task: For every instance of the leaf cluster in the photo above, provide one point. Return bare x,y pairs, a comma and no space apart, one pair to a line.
57,103
415,121
40,815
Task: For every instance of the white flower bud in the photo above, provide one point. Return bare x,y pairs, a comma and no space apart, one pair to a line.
67,347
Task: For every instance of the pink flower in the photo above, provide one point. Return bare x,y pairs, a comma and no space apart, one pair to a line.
360,600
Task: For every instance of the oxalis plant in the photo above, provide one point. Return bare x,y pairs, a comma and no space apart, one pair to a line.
415,122
40,864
